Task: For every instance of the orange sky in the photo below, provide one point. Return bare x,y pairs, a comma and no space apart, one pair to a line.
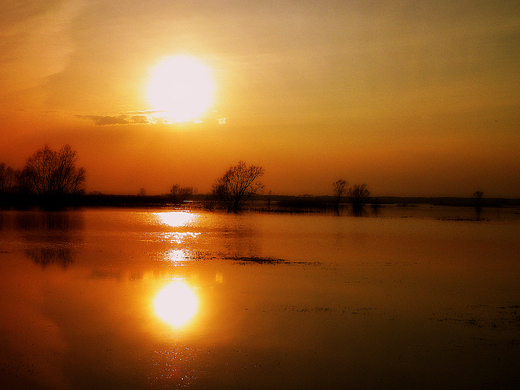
412,98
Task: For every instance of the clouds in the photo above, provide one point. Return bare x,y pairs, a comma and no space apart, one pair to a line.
143,118
108,120
123,119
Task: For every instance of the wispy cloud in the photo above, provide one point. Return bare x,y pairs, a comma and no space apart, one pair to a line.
36,41
148,117
106,120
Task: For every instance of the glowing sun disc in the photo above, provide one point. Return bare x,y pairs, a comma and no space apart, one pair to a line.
181,88
176,304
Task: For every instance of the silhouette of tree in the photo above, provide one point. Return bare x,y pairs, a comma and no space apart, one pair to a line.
358,194
7,184
7,178
237,185
180,194
339,188
477,197
23,186
53,173
477,201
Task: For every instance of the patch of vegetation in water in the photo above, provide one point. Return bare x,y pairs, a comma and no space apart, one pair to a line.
208,256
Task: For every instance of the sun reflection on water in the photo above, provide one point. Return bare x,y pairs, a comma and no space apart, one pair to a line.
179,238
176,304
176,218
176,255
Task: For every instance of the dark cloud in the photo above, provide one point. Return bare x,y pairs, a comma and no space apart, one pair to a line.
146,117
140,119
106,120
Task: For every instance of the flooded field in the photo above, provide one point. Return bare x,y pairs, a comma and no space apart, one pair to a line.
408,297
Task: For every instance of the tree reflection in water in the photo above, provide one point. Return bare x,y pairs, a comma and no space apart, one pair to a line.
55,230
46,256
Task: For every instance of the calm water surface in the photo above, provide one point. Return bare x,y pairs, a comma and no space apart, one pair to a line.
136,299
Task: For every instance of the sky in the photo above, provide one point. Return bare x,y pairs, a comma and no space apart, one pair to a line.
412,98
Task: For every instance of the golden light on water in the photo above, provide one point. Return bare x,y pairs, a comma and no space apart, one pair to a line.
181,88
176,218
176,304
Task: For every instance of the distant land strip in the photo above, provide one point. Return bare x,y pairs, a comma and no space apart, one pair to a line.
258,203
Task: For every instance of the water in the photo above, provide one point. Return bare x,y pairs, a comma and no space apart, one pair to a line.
136,299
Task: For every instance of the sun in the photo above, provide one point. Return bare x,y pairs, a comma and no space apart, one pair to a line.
180,88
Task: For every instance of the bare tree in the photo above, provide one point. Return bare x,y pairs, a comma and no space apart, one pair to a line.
477,201
477,198
49,172
359,196
7,179
339,188
180,194
7,185
237,185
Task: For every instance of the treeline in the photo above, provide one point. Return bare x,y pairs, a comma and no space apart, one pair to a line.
329,201
51,180
278,203
48,180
